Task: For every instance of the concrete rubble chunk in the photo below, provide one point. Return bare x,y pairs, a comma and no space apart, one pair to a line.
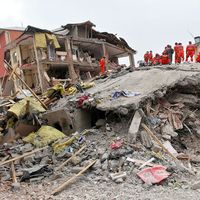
167,129
195,185
170,148
115,176
145,139
134,127
100,122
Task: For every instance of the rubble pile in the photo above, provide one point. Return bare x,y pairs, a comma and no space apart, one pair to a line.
156,143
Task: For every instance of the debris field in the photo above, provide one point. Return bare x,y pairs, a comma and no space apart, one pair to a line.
128,135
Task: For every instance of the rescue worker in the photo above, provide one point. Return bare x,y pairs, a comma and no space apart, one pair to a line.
176,52
146,57
102,65
198,58
165,51
165,59
190,51
180,53
169,52
150,57
156,59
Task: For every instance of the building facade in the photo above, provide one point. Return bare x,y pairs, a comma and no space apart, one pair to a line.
71,51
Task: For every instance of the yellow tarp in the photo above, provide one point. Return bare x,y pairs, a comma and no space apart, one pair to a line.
58,87
87,85
54,39
59,146
71,90
44,136
19,108
40,40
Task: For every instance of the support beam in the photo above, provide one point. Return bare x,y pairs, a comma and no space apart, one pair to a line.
72,72
39,67
131,60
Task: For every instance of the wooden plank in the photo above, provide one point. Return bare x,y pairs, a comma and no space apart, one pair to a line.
22,156
66,183
13,71
14,178
151,134
76,153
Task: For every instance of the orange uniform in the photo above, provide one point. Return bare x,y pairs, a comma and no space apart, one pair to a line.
156,60
198,58
146,58
151,57
165,60
176,53
190,51
102,65
180,53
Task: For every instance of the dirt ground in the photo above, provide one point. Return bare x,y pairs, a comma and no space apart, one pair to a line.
99,187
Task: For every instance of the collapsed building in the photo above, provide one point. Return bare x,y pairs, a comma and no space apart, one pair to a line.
71,51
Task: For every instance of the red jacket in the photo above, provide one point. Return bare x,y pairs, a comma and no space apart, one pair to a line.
176,48
102,62
190,48
180,48
151,57
146,57
198,58
165,59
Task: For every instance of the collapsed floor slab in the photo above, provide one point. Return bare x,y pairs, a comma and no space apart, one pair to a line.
146,82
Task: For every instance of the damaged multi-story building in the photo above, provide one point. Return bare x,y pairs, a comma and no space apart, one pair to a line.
71,51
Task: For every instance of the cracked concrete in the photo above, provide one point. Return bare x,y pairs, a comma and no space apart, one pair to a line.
146,81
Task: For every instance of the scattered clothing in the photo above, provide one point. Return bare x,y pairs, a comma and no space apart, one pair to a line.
152,175
125,93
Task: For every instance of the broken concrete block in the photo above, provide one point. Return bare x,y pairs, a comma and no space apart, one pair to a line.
36,179
167,129
146,139
113,165
119,180
29,158
24,129
15,186
115,176
156,148
187,99
195,185
104,166
134,127
100,122
68,122
105,156
44,160
97,165
170,148
122,111
108,128
75,160
166,137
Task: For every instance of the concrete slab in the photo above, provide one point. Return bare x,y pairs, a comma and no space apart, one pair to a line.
144,81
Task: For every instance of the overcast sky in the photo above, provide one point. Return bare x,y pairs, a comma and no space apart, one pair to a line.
145,24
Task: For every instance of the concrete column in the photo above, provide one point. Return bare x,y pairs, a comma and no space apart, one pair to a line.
131,60
71,69
39,67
